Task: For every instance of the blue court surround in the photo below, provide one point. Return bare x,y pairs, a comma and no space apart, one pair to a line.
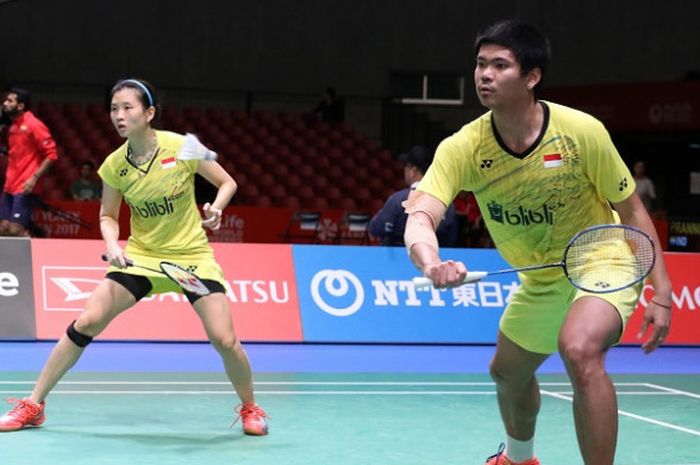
326,358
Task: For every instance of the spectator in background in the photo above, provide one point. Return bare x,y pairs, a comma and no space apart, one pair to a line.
472,232
331,107
86,187
389,223
30,152
645,186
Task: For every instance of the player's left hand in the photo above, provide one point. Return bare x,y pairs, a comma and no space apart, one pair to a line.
213,217
660,319
29,185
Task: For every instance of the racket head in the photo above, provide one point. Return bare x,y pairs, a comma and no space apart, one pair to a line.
608,257
187,280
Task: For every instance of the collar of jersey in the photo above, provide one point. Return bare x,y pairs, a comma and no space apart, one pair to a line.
141,167
529,150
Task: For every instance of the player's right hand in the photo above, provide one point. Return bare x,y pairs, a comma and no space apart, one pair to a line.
116,257
448,273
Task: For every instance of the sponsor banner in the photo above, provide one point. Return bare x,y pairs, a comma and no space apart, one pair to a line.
80,220
685,324
74,219
16,289
365,294
259,280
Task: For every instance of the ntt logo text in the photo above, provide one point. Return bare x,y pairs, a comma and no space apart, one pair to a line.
337,284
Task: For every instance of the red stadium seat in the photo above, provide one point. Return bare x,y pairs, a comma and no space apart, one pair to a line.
320,183
291,202
248,192
293,182
305,192
333,194
346,203
266,181
316,203
306,172
263,201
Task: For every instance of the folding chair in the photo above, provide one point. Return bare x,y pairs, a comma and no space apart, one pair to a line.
303,227
353,228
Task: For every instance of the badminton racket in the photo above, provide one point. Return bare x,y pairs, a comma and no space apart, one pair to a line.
187,280
599,259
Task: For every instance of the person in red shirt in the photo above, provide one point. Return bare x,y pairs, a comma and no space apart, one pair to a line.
30,151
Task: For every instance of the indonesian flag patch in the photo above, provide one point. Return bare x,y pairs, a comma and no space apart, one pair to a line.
552,161
167,163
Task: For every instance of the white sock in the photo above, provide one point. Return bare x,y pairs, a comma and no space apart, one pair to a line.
519,451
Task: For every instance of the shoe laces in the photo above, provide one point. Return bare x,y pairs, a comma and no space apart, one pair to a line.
498,454
249,410
23,408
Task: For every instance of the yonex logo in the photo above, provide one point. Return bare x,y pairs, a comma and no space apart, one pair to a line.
123,172
486,163
337,284
623,184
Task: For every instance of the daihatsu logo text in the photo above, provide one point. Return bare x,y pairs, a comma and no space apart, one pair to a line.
8,284
336,284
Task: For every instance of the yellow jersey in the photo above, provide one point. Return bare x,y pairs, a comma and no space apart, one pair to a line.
165,219
533,203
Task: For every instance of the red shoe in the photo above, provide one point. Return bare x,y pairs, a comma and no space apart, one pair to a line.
25,413
499,458
253,417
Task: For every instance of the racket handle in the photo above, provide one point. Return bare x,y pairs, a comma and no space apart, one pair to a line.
471,277
128,262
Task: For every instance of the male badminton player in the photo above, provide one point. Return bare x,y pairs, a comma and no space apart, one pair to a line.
541,172
165,225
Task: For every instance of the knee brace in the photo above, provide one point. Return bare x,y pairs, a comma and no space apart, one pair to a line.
81,340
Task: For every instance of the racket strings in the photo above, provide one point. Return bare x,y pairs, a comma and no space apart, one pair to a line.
187,280
609,258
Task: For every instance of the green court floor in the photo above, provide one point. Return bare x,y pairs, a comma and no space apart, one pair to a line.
333,419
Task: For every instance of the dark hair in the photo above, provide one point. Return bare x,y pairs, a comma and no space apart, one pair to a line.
87,163
23,96
529,45
146,92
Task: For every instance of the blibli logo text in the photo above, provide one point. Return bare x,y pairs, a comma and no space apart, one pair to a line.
153,209
521,216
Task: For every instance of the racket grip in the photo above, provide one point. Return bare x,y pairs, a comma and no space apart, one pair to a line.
472,276
128,262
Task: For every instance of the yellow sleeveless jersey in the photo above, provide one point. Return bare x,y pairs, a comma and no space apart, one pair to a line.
165,220
534,203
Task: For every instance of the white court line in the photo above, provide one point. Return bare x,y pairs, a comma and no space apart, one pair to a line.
674,391
284,393
309,383
633,415
416,392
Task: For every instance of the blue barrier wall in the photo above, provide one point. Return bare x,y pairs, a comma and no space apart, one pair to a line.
365,294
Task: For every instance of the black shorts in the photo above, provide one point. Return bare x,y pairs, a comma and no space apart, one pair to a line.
140,286
17,208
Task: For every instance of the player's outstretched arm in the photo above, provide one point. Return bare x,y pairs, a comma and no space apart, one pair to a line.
109,224
424,215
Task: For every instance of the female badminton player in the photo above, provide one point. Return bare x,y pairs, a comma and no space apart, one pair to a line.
166,224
